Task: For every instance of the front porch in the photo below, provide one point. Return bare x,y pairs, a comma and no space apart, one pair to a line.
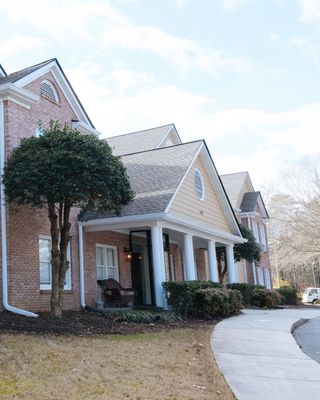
143,254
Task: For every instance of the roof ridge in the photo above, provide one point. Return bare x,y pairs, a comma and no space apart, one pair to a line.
39,65
236,173
143,130
161,148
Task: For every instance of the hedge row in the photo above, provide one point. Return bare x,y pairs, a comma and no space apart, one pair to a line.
246,290
289,295
202,298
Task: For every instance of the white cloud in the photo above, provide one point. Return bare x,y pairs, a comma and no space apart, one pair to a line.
240,139
18,44
231,5
184,53
310,11
61,18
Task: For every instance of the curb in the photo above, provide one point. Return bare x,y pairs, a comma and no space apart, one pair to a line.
298,323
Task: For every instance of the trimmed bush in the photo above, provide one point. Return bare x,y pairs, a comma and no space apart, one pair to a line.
181,295
266,298
211,302
246,291
289,295
142,316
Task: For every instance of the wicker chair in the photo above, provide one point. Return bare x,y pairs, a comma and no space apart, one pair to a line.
115,294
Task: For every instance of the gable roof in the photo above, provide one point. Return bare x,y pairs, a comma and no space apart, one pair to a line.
233,184
15,76
249,201
22,77
154,176
147,139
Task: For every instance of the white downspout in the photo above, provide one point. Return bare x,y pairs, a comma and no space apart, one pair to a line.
81,261
6,305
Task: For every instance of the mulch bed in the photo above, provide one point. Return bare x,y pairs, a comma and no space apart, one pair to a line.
83,323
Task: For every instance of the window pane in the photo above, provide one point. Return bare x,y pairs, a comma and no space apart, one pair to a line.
44,250
99,254
45,273
112,273
110,257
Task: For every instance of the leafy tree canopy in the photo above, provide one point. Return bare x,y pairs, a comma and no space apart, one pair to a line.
251,250
64,164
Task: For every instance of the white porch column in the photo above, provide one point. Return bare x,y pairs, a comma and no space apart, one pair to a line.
255,281
213,268
158,264
81,259
232,273
188,253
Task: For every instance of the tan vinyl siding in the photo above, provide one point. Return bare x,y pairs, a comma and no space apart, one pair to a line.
187,204
241,273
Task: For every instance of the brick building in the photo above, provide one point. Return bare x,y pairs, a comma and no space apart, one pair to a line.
252,213
179,216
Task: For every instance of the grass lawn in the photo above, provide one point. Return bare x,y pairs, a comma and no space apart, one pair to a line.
173,364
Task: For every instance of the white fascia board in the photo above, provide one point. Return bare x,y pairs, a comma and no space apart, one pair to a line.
221,194
201,230
85,128
123,220
183,179
63,84
9,91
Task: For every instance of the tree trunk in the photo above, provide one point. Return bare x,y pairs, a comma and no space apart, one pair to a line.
55,304
60,238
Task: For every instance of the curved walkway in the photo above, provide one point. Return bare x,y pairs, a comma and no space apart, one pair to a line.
260,359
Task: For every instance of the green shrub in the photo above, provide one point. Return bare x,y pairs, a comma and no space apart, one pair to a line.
289,295
246,291
181,295
142,316
266,298
215,301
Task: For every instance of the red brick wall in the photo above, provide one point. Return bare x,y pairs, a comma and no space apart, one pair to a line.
24,224
119,240
176,251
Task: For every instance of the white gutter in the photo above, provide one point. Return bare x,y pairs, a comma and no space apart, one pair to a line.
81,261
6,305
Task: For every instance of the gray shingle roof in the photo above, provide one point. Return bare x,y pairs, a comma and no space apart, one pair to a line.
147,139
249,201
15,76
233,184
154,176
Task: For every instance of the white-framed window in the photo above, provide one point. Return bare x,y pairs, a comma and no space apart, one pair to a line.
198,184
107,262
48,90
38,132
45,264
268,278
255,231
263,237
260,276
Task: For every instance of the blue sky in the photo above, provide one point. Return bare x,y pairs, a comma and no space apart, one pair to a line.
243,74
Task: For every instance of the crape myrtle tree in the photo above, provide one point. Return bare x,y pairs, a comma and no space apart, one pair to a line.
61,169
250,251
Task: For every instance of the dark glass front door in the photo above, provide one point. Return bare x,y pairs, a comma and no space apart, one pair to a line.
141,267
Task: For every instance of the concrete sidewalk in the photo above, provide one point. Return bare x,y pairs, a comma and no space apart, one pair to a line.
260,359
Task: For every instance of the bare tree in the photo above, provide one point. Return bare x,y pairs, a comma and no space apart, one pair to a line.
295,224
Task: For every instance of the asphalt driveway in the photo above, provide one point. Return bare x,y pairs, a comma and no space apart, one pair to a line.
307,336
